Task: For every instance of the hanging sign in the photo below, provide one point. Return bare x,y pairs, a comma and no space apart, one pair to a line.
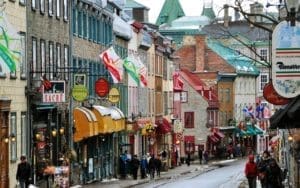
114,95
101,87
285,59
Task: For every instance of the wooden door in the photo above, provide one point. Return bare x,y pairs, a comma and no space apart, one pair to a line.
4,177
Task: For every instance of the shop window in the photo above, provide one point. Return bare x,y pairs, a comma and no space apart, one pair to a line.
189,119
13,133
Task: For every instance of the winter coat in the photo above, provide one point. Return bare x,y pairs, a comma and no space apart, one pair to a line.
23,171
251,170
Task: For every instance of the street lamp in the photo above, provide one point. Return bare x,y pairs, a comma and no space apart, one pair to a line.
292,9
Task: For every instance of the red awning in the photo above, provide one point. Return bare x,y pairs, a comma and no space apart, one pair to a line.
163,126
213,139
219,135
190,139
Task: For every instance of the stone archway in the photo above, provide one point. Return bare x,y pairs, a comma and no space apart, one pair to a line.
4,131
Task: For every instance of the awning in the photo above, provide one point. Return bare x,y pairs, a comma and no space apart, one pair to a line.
118,118
287,118
85,123
190,139
258,130
105,122
163,126
213,139
219,135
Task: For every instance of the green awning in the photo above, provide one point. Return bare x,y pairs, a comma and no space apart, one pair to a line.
258,130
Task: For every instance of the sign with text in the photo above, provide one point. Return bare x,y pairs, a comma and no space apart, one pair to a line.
56,93
285,59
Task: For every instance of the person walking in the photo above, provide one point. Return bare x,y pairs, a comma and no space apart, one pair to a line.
188,159
157,166
200,155
151,166
135,163
262,168
274,175
205,155
251,172
144,167
23,172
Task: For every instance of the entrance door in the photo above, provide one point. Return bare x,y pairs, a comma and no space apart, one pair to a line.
4,178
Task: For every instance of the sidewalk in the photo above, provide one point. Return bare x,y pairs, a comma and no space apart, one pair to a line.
170,174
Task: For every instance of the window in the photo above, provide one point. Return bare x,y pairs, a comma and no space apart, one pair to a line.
84,22
189,119
184,96
264,79
79,25
22,2
50,7
51,59
34,62
74,14
58,61
23,65
13,133
66,61
33,4
42,6
263,54
66,10
57,9
24,135
227,95
43,57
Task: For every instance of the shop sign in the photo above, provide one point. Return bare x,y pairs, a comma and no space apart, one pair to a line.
101,87
56,93
79,93
272,96
178,128
285,59
114,95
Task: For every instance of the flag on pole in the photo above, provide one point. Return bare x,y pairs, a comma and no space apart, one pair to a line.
132,70
177,82
142,71
113,63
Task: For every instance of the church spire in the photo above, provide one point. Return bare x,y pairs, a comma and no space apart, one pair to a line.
208,10
170,11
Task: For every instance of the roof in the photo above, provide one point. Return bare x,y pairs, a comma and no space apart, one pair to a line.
242,64
205,91
209,12
190,22
170,11
134,4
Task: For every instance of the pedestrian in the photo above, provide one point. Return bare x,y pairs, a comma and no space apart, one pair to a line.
123,165
200,155
262,168
157,166
274,175
135,163
251,172
23,172
151,166
188,159
144,167
205,155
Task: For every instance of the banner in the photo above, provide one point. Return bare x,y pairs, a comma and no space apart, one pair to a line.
142,71
130,67
113,63
177,82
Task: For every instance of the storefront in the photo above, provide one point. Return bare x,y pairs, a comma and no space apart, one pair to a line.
96,141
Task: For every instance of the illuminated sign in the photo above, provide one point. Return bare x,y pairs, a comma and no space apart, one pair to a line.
56,93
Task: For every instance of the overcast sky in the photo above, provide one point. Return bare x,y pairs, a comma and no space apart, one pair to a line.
190,7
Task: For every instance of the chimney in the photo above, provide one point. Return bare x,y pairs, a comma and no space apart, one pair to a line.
226,15
200,53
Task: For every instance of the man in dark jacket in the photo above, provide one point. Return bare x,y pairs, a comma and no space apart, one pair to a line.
135,166
157,166
152,166
23,172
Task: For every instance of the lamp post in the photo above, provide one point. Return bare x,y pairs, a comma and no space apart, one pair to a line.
292,9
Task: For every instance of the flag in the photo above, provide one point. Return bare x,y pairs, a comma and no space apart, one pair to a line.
177,82
142,71
248,111
130,67
113,64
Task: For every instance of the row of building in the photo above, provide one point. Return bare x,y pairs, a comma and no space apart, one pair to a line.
187,85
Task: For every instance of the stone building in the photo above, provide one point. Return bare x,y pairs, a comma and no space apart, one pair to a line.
48,60
13,103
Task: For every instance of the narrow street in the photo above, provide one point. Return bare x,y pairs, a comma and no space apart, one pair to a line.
228,176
